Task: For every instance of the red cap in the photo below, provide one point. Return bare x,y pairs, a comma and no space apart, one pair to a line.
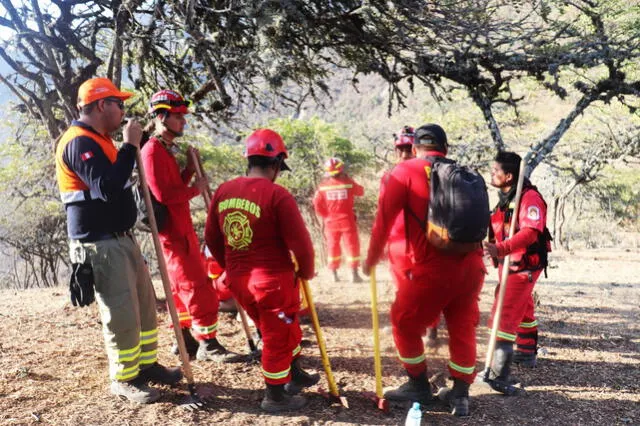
99,88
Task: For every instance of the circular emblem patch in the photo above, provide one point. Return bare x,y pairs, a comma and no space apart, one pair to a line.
237,230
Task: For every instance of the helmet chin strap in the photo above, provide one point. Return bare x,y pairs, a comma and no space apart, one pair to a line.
173,132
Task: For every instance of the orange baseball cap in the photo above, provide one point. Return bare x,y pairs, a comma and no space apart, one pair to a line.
99,88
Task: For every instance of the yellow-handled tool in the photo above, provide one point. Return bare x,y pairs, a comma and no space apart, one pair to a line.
333,388
381,403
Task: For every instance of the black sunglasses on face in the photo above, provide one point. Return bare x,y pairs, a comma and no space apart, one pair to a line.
117,101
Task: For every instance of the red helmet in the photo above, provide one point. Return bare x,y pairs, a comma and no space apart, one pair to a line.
404,137
266,143
333,166
169,101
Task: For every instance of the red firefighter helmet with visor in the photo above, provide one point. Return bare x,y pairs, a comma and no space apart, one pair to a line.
266,143
333,166
404,137
168,101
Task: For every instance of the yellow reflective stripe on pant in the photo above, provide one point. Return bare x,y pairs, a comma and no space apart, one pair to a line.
531,324
416,360
296,351
128,373
201,329
278,375
331,259
506,336
125,297
353,259
461,369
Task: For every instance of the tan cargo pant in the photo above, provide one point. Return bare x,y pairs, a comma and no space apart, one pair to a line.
126,301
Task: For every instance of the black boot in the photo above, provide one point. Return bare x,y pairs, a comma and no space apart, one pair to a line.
276,400
157,373
355,278
417,389
212,350
457,397
189,341
459,402
525,359
336,278
499,375
299,378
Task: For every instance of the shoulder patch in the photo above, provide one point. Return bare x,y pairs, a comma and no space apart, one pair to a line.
86,155
533,213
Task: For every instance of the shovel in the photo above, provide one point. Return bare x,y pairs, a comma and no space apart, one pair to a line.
193,401
378,398
334,394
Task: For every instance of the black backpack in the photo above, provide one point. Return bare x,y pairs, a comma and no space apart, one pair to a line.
459,213
160,211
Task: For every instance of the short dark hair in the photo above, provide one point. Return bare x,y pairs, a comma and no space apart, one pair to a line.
88,108
510,163
261,161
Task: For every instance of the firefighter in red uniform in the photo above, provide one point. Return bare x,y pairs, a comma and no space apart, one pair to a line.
528,249
195,299
435,283
252,226
333,202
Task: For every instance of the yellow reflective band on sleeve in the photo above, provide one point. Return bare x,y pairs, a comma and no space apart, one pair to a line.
460,369
506,336
147,337
297,350
214,276
279,375
531,324
149,357
330,187
184,316
416,360
129,354
205,329
128,373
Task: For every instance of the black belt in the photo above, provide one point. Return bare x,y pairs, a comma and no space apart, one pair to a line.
105,236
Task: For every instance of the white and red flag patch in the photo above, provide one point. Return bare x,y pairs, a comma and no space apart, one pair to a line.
86,155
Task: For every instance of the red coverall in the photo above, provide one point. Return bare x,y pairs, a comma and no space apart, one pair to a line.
435,282
517,320
333,202
252,225
196,300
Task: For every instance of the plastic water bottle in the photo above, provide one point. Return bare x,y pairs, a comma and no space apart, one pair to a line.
414,416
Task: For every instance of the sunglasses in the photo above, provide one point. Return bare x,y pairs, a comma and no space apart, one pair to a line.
117,101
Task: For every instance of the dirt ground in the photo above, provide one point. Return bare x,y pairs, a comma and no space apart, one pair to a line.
53,368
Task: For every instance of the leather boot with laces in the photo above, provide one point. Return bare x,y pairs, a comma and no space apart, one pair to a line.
162,375
417,389
135,390
212,350
300,379
276,400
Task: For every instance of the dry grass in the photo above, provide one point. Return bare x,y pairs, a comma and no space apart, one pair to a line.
53,367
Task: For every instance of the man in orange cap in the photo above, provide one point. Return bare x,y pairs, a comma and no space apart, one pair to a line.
333,202
95,187
196,299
